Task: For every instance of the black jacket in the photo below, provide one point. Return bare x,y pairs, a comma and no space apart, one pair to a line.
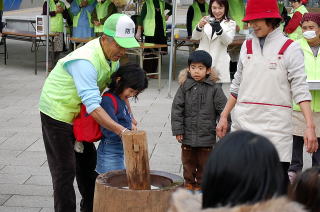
195,110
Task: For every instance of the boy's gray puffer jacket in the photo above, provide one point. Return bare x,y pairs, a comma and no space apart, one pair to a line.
195,110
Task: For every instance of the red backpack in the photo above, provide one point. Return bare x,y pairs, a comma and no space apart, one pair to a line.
85,128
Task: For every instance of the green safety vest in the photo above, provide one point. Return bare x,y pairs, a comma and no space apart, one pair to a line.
236,11
311,67
59,98
297,34
149,20
102,11
197,15
1,4
76,17
56,22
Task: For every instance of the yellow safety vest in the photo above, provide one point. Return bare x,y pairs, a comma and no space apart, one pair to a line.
236,11
149,21
59,98
312,69
102,11
297,34
56,22
197,15
76,17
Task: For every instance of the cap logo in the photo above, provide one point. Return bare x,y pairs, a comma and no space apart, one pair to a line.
129,31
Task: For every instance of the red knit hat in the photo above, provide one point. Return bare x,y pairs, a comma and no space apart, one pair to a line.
257,9
315,17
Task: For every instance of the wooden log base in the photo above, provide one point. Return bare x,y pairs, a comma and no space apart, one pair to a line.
110,196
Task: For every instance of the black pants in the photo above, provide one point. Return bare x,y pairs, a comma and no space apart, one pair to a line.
65,165
285,167
297,155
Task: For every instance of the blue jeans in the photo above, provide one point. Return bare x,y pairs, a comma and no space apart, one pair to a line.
109,156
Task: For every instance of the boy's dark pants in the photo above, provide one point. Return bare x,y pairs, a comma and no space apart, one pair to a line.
65,165
193,161
297,155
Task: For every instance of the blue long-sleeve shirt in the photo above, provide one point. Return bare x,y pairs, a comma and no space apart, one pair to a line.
121,116
85,78
83,30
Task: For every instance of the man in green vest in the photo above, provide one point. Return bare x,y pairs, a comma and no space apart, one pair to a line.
103,10
293,28
56,10
80,77
196,11
152,21
310,45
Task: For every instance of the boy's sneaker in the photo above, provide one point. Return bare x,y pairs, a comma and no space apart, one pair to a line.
188,186
197,189
292,176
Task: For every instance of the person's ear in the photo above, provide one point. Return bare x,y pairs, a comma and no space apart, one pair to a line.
118,79
188,69
208,71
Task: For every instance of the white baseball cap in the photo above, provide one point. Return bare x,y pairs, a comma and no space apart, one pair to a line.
122,29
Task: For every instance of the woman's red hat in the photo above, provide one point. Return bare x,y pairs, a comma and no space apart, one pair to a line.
257,9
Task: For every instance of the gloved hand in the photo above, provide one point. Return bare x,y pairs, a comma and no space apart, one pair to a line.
216,27
78,147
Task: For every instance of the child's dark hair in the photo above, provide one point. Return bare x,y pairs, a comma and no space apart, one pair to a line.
306,189
243,168
200,56
128,76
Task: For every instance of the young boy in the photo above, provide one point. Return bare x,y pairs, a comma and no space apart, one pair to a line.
195,109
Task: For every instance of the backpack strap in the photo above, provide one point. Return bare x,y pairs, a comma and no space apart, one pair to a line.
249,46
113,99
285,46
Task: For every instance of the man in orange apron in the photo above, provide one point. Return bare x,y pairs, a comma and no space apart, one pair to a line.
270,75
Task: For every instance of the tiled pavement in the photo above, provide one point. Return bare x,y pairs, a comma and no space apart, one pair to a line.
25,182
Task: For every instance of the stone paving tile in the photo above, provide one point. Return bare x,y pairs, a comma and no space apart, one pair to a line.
23,189
39,180
37,146
47,210
5,134
4,198
32,170
15,123
27,158
20,141
30,201
18,209
14,179
8,154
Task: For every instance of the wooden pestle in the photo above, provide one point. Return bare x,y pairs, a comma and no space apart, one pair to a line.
136,160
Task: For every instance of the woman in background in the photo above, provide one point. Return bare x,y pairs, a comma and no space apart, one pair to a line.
215,35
